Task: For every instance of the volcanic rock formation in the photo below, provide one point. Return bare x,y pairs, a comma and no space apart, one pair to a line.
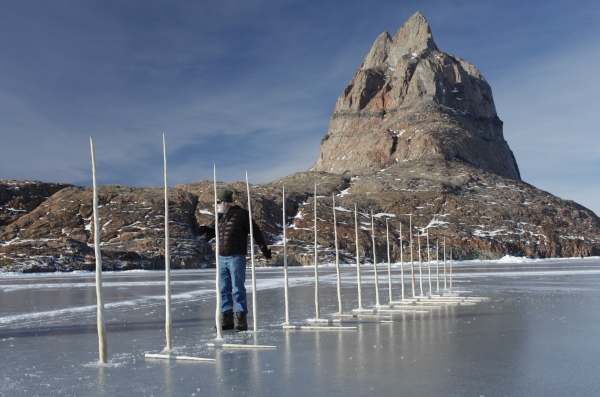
410,101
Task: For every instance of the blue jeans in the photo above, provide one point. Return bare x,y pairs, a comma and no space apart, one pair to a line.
232,277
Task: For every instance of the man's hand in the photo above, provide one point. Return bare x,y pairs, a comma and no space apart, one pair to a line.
266,252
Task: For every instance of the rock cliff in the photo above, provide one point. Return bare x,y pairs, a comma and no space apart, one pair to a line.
410,101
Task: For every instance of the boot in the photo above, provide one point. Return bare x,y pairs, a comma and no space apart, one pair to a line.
226,321
242,324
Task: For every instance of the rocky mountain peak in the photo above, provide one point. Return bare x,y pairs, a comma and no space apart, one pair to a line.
415,30
414,37
410,101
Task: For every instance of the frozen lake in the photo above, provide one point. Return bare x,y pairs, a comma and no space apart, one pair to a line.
537,335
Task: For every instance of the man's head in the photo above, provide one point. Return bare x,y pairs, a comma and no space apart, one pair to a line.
225,195
224,200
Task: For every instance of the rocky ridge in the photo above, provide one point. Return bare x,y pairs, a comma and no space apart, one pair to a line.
480,215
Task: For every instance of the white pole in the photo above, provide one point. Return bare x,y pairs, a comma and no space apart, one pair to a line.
168,323
358,282
445,287
285,264
420,260
401,260
337,258
102,346
437,264
252,257
317,311
387,237
412,262
428,262
375,261
218,266
450,267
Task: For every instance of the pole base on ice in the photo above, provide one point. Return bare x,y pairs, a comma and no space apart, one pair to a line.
327,321
357,316
452,300
457,298
185,358
363,311
317,328
390,308
418,304
384,312
363,318
239,346
420,310
424,303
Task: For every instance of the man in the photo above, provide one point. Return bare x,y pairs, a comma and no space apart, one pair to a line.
234,227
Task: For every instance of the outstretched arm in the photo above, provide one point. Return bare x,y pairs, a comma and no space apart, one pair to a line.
259,239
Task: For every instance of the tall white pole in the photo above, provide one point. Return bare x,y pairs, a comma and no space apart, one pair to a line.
387,237
168,323
102,346
252,257
317,310
401,260
437,264
358,282
285,264
451,267
218,266
375,261
337,258
412,261
429,262
445,286
420,260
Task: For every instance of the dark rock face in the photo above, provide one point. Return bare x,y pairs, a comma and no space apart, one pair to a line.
58,235
410,101
20,197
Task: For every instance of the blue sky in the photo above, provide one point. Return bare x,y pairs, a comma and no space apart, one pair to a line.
251,85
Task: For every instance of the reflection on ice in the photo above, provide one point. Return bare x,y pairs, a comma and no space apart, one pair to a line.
540,315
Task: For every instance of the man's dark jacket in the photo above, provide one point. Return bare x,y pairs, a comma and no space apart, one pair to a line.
234,228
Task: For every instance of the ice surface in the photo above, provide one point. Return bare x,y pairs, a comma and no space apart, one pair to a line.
537,335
